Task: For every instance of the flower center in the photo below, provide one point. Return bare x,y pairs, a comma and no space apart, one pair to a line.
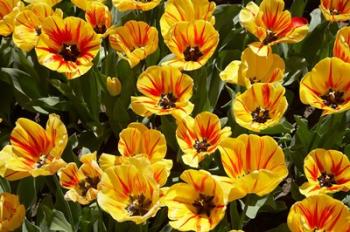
139,205
326,180
260,115
333,98
201,146
192,54
254,80
38,31
334,11
100,29
204,204
87,183
70,52
41,162
167,100
270,37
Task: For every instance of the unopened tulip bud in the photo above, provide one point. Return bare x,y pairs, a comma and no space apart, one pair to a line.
113,86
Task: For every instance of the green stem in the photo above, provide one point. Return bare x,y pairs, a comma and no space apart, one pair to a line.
241,220
66,205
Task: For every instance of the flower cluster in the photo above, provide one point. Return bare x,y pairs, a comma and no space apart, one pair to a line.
169,122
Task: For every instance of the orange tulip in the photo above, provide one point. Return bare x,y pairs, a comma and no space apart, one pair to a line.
99,17
12,212
8,12
341,47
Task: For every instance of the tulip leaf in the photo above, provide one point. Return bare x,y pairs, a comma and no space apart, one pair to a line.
26,191
253,209
297,8
29,227
59,222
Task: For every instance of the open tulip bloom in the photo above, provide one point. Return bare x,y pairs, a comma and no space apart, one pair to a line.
319,213
271,25
327,86
143,5
8,12
327,171
254,164
34,150
198,204
341,47
335,10
166,91
253,68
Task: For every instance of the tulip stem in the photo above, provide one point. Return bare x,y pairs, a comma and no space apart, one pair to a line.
241,220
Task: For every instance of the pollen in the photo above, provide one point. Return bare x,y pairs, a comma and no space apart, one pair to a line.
204,204
260,115
70,52
192,54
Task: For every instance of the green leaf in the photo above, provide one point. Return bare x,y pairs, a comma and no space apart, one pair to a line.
59,222
26,191
4,185
252,210
29,227
297,8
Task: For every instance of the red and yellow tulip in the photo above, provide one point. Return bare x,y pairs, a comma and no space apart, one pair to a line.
254,164
49,2
28,24
335,10
129,192
199,204
99,17
200,136
144,5
166,91
67,45
8,12
341,47
327,86
81,183
271,25
84,4
34,150
260,107
134,41
186,10
327,171
192,44
254,69
319,213
12,212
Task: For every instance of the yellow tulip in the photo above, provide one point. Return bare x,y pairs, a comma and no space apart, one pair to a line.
186,10
199,136
67,45
34,151
327,85
192,44
124,5
51,3
128,192
271,25
254,164
12,212
28,24
199,204
166,91
8,12
99,17
335,10
341,45
84,4
81,183
114,86
254,69
319,213
327,171
134,41
260,107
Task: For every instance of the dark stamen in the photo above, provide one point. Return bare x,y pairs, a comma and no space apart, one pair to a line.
138,206
38,31
201,146
100,29
260,115
270,37
167,100
70,52
326,180
87,183
192,54
333,98
204,204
